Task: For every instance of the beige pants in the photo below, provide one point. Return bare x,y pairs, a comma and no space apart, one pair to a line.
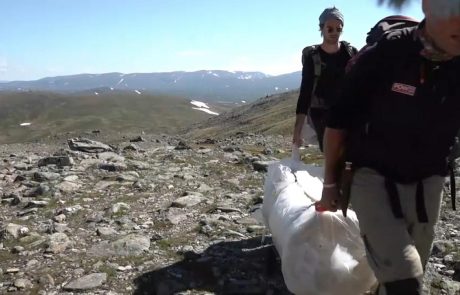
397,247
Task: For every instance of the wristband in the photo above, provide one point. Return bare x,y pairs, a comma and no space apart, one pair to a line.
329,185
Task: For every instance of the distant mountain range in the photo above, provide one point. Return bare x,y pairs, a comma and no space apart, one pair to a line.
210,86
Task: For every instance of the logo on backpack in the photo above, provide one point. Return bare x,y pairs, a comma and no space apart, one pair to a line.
404,89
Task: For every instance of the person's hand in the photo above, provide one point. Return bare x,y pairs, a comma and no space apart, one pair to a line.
330,199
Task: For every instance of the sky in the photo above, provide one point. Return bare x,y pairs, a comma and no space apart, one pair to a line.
47,38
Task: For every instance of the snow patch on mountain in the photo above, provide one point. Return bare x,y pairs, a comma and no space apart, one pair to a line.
201,106
206,111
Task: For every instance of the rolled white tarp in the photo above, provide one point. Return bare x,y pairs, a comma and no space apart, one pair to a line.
321,252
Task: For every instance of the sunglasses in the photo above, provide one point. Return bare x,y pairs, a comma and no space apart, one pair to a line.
331,29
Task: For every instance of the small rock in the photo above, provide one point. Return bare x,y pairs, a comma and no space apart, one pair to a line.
255,228
58,243
59,218
124,268
22,283
31,263
17,249
182,145
261,166
106,231
12,270
137,139
16,230
131,147
58,161
190,200
119,207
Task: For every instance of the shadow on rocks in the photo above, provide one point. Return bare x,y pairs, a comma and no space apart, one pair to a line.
237,267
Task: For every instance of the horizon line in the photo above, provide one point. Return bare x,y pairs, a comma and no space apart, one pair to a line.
135,73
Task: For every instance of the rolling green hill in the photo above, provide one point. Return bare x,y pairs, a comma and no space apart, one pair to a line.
269,115
110,111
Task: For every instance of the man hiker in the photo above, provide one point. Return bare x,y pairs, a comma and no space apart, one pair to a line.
394,125
322,74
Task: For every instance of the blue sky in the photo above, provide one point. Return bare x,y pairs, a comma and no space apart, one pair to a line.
42,38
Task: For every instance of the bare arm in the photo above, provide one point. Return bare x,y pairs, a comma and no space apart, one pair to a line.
303,102
349,111
334,144
299,121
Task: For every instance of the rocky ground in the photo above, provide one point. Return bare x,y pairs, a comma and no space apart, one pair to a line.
153,215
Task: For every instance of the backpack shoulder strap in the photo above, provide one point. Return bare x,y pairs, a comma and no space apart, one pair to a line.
312,51
315,56
350,49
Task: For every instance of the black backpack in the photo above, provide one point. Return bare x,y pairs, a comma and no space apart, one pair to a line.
317,66
382,27
387,24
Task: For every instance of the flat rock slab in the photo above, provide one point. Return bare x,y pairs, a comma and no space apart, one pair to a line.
187,201
87,282
130,245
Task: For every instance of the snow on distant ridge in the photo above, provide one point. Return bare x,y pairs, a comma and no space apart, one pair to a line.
25,124
212,73
199,104
245,77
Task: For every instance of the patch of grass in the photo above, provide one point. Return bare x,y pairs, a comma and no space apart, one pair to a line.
275,115
119,214
255,149
456,252
132,260
164,244
6,256
27,242
110,271
50,209
129,199
312,156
